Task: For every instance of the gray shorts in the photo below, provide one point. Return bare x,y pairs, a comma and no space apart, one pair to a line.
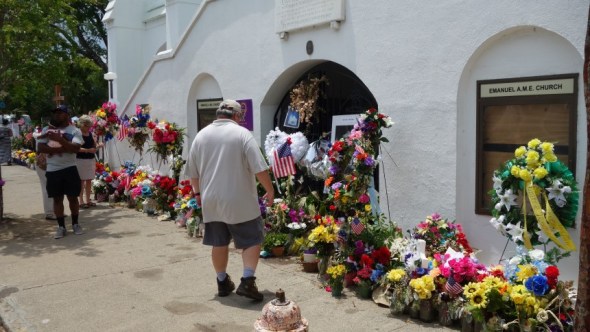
245,235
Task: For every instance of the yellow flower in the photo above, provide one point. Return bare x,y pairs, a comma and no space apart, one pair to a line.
479,300
532,158
470,289
101,114
368,208
550,157
336,271
396,275
493,282
540,172
525,272
534,143
520,152
515,171
525,175
547,147
344,199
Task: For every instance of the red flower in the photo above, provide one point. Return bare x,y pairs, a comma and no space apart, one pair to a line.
366,260
552,272
332,207
381,255
151,125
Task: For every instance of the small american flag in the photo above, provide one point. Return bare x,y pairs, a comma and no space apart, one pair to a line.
357,226
452,287
123,128
283,160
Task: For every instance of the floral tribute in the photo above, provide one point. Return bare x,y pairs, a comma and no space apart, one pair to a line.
440,234
167,138
535,197
106,121
138,127
353,162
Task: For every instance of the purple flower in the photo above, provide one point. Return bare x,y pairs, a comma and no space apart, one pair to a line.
336,185
369,161
2,182
333,169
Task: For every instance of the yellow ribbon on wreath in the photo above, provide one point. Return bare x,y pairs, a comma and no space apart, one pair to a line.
548,222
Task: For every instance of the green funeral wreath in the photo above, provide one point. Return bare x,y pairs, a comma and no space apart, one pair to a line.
534,165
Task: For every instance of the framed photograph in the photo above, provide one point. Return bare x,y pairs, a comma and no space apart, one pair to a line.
292,118
342,125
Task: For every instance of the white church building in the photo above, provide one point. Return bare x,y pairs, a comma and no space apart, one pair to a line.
466,82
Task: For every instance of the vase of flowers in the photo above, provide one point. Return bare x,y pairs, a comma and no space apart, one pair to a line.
336,279
397,279
423,288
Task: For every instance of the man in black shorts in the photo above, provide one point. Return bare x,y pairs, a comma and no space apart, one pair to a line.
61,141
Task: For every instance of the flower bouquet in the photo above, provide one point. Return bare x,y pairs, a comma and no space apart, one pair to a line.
138,127
397,280
441,234
336,279
106,121
168,139
422,306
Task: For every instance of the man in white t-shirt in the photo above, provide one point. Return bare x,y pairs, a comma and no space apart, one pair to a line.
223,165
61,141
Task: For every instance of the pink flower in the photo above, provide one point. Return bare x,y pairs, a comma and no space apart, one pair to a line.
364,199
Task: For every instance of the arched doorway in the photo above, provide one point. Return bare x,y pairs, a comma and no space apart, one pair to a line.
344,93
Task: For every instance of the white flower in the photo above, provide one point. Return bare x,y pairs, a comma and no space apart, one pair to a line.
497,183
542,316
388,121
537,254
507,199
498,223
515,260
556,192
515,231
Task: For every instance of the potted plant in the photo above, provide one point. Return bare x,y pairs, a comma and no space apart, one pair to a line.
275,243
310,255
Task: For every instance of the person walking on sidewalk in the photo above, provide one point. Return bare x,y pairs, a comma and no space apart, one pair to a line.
223,165
61,142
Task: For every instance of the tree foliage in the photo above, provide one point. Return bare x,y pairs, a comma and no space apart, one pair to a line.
48,42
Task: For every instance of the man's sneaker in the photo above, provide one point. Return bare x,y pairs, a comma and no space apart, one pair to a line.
61,232
77,229
249,289
225,287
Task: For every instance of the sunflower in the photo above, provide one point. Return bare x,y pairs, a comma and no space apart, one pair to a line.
479,299
470,289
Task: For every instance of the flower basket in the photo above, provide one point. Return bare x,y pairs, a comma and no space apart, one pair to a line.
310,267
278,251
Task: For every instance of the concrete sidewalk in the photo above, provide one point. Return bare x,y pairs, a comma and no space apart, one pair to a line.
131,272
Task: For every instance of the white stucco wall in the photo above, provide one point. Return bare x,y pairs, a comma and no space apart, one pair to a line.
420,61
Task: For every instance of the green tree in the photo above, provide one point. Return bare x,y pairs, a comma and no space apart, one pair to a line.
49,42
